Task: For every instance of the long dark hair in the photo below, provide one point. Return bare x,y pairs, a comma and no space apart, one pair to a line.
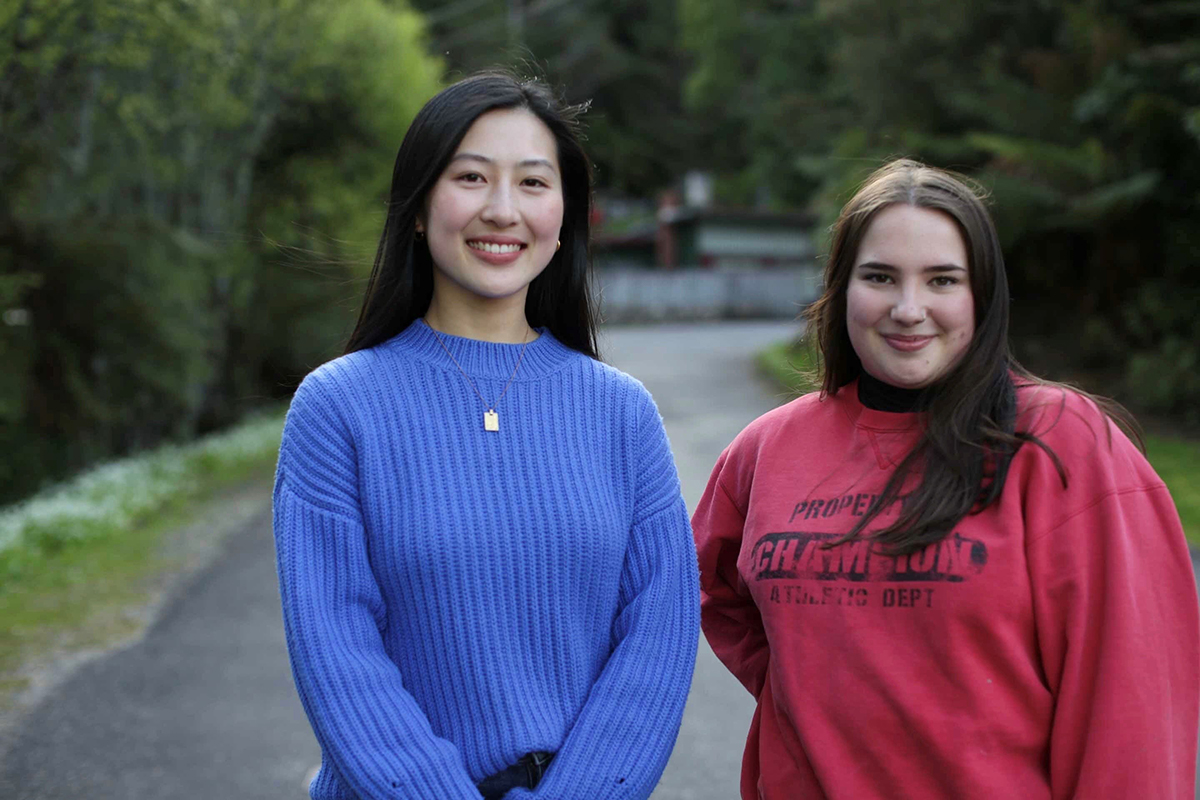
970,434
401,282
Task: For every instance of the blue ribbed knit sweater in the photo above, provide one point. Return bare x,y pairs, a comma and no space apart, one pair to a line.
454,598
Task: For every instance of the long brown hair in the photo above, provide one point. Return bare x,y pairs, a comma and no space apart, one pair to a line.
970,435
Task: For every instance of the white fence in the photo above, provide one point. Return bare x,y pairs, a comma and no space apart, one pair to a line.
631,295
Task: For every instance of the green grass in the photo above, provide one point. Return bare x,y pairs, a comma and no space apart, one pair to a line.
790,366
1175,459
1177,462
77,561
80,596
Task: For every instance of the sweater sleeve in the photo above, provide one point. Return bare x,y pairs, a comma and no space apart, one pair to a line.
731,621
379,740
624,734
1115,605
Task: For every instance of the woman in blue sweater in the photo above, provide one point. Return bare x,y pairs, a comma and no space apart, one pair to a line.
488,582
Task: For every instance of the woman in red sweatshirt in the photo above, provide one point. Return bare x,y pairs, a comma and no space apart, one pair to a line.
940,576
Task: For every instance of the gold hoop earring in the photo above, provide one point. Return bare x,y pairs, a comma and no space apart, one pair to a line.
558,245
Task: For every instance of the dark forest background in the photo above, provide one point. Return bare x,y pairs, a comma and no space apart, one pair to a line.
191,190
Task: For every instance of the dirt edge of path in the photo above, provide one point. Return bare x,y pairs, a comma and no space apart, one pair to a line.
188,549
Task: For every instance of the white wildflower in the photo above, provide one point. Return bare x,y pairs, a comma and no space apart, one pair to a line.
113,495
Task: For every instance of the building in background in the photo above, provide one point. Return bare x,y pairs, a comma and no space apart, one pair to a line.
687,258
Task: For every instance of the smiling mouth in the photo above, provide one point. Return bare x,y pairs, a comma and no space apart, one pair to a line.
908,343
490,247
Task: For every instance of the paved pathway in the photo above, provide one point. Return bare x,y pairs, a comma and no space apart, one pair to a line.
703,379
204,706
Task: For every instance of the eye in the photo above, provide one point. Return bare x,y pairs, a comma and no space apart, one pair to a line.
536,182
877,277
470,177
943,281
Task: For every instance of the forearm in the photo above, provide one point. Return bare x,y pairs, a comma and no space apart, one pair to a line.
624,734
372,729
733,629
1119,631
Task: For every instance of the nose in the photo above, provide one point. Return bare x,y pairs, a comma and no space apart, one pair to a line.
500,209
908,310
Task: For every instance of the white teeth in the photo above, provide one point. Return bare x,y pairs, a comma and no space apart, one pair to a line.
488,247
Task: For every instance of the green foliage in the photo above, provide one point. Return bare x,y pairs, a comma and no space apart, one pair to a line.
621,56
792,365
759,71
120,494
75,558
1082,119
1175,460
190,188
16,349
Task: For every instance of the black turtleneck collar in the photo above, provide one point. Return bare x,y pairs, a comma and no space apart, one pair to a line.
879,396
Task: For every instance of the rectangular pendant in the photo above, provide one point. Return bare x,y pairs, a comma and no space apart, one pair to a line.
491,421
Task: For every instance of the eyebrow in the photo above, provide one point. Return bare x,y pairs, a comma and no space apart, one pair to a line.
528,162
879,265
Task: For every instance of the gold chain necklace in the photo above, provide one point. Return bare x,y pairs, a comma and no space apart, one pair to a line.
491,420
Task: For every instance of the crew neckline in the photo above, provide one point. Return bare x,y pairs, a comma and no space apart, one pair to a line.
875,419
481,359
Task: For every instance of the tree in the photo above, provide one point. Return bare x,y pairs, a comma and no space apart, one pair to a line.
1079,116
621,56
152,162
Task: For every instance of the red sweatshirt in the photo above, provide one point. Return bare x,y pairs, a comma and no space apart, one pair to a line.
1048,648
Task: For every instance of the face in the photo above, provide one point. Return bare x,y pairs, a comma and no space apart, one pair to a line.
910,312
492,220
